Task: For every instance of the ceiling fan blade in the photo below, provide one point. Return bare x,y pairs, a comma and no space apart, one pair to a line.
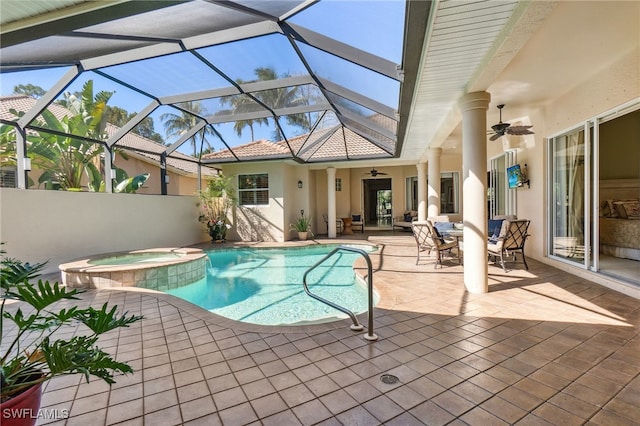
520,130
496,136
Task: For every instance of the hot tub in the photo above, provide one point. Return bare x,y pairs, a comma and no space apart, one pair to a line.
156,269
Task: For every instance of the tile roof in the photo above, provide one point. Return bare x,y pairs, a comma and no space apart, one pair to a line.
320,145
141,147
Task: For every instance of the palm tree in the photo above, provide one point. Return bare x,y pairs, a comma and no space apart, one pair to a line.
241,104
176,125
274,98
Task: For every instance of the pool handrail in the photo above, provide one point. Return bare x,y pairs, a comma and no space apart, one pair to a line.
356,325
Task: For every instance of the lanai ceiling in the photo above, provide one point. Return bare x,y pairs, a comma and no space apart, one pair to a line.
383,102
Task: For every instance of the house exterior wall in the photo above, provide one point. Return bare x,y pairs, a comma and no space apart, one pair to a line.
613,86
260,222
60,226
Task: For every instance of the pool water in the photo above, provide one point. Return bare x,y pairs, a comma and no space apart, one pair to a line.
264,286
133,258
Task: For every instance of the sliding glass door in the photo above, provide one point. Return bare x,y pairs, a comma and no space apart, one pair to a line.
568,197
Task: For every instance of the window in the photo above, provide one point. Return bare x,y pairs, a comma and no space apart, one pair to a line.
411,195
449,192
501,200
449,199
338,184
253,189
8,178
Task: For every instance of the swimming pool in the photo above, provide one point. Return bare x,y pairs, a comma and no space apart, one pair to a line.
264,286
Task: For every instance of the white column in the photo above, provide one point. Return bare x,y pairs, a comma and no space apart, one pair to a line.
331,201
474,173
108,167
433,189
422,191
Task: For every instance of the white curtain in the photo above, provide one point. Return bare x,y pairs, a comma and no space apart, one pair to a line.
575,171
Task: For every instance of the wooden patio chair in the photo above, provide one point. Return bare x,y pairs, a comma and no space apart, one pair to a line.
428,239
511,240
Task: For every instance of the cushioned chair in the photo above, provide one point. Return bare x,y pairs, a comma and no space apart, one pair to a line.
513,235
428,239
338,224
357,222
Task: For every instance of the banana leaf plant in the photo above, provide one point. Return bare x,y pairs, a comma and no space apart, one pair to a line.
31,351
66,161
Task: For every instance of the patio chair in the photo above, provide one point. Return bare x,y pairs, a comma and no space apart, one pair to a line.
338,224
428,239
511,240
357,221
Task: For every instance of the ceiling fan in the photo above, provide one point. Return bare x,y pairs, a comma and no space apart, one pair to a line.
502,129
375,173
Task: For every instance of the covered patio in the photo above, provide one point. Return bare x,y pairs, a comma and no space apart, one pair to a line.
541,347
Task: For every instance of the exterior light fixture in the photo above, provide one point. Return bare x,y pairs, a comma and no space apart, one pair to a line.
299,184
26,163
113,173
166,179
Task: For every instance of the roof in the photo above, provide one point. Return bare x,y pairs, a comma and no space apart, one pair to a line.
176,52
143,148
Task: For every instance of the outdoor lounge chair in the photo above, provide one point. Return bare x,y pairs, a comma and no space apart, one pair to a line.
357,222
428,239
338,224
511,240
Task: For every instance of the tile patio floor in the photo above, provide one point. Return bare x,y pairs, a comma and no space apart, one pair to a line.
542,347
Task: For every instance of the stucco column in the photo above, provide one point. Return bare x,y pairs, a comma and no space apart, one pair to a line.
331,201
433,189
474,173
422,191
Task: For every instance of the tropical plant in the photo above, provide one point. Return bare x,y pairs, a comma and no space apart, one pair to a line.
32,350
302,224
177,125
215,202
66,161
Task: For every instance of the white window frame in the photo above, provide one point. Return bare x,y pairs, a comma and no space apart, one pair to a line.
253,190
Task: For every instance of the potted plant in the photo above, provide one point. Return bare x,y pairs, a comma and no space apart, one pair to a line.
215,204
302,226
31,351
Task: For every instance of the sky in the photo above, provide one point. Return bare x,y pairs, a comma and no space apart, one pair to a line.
357,23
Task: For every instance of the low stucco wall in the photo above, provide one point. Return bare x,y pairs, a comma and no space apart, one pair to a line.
62,226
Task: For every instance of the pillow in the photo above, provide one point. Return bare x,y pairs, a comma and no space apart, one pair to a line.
355,217
628,209
605,209
443,226
495,225
407,217
439,235
613,211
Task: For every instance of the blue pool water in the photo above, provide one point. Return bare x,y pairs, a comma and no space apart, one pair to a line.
264,286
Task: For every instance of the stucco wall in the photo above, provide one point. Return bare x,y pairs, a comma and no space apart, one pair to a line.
609,88
260,222
60,226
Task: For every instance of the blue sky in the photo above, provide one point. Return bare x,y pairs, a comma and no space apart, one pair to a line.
358,23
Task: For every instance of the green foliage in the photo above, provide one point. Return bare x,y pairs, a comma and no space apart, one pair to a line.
215,202
31,353
67,162
302,224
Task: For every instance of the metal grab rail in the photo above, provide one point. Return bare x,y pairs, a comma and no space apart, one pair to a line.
356,325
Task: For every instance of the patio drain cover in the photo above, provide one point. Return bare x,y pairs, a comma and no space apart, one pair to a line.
389,379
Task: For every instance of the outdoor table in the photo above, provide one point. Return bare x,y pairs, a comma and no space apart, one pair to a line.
347,226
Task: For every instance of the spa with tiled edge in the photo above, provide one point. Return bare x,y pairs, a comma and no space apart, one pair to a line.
156,269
